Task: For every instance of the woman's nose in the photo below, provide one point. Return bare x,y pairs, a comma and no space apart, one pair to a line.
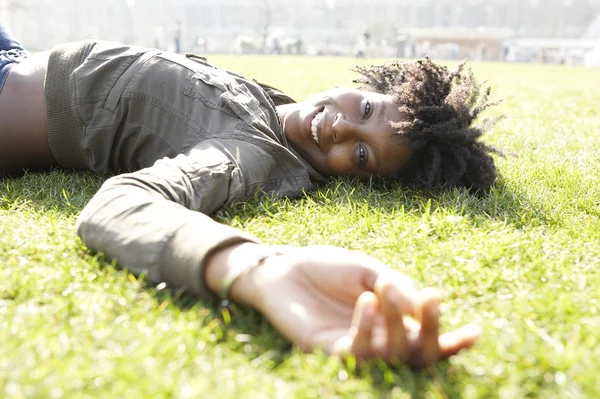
341,129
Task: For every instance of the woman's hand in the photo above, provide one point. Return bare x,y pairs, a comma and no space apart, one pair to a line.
346,302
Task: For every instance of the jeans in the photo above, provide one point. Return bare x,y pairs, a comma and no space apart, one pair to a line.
11,53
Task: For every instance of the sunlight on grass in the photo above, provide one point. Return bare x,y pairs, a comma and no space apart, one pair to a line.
522,262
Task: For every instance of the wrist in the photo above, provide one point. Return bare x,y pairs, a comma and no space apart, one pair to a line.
230,272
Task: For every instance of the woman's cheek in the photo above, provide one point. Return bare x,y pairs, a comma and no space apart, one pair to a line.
340,160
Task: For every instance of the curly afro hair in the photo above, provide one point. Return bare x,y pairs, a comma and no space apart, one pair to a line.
440,107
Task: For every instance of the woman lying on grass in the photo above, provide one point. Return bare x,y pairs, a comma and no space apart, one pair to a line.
185,138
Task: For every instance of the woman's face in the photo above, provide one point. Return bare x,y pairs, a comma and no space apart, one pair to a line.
347,132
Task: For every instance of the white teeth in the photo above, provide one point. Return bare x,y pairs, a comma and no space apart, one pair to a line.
314,124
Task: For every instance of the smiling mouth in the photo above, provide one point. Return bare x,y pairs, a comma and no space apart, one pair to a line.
314,126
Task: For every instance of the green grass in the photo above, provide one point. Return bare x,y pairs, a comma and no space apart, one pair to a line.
522,262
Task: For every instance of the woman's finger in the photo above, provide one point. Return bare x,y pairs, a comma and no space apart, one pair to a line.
451,343
396,340
430,326
363,321
408,296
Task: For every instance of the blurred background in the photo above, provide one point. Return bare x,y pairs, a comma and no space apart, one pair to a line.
544,31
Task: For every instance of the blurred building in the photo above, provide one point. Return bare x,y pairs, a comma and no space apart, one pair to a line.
329,25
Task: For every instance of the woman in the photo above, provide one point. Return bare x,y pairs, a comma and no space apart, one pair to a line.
192,137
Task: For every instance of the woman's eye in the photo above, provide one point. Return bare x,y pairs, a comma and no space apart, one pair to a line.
362,155
368,109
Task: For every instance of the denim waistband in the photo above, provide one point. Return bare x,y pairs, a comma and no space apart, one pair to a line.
7,60
11,52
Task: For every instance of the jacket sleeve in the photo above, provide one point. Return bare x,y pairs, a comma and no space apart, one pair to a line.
154,221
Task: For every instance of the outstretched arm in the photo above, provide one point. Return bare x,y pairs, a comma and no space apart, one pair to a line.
154,221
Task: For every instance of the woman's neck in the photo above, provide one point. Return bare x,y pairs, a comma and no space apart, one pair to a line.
283,111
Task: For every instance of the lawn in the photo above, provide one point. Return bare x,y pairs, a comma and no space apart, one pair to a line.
522,262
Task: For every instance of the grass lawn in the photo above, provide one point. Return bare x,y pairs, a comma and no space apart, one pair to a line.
522,262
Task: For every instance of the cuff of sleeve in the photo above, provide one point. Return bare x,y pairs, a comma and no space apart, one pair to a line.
190,247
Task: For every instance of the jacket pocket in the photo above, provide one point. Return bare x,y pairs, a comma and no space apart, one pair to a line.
244,104
219,90
207,87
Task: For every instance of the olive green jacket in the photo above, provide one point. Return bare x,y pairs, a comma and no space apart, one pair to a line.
191,139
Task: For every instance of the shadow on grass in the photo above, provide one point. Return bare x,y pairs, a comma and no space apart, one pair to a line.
500,204
65,192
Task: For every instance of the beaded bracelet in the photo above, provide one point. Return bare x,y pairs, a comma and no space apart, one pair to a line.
235,272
